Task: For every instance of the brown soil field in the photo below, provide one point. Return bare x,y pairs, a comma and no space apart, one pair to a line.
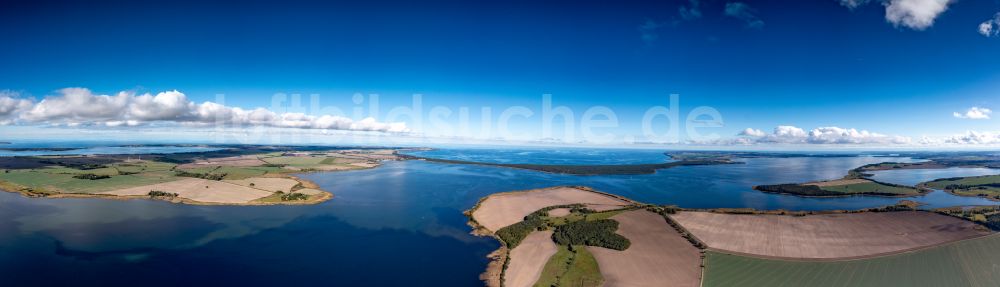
246,160
528,259
828,236
271,184
503,209
837,182
559,212
201,190
658,256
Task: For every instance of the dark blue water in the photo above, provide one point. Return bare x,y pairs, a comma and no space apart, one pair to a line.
572,156
385,236
399,224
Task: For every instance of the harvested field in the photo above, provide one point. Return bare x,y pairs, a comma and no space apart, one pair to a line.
658,256
201,190
245,160
503,209
828,236
528,259
967,263
559,212
271,184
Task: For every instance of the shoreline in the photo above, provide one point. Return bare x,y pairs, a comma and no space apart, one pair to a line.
317,196
323,197
499,258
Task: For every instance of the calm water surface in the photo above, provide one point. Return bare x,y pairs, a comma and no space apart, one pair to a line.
108,150
574,156
399,224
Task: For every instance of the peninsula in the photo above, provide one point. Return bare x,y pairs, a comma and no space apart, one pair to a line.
232,175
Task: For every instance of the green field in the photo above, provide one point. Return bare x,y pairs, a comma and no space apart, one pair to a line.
985,186
61,179
297,161
973,262
871,187
577,216
571,268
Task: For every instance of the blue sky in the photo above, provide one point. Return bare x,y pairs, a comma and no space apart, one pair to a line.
761,64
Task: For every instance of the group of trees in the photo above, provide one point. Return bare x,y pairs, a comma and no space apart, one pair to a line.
599,233
294,196
814,190
208,176
157,193
91,176
667,210
515,233
797,189
971,186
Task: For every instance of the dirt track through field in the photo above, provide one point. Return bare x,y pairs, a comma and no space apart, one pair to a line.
658,256
825,236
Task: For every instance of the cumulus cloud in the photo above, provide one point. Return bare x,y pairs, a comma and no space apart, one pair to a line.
752,133
821,135
742,11
11,104
975,138
974,113
78,104
990,28
915,14
81,107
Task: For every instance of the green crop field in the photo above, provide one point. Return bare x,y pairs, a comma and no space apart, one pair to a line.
974,180
297,161
870,187
988,186
973,262
571,268
57,180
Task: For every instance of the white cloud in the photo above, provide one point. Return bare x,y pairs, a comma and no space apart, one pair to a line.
990,28
74,107
752,133
11,104
974,113
975,138
915,14
742,11
78,104
851,4
172,105
821,135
